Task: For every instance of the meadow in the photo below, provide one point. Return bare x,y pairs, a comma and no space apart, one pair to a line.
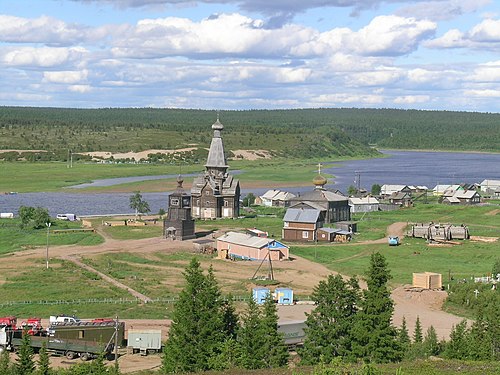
157,274
14,238
56,176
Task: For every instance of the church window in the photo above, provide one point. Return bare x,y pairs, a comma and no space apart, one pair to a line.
174,202
207,192
225,203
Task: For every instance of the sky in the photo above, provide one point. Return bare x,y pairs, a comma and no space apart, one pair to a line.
251,54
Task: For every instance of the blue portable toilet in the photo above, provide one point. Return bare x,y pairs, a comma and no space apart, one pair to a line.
260,294
284,296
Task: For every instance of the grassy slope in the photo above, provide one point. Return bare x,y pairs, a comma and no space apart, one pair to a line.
13,238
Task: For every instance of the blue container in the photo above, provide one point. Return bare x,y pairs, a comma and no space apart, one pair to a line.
260,294
284,296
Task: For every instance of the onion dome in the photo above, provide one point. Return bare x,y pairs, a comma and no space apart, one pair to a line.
217,125
319,181
180,180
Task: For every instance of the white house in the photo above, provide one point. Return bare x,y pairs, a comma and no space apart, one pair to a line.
365,204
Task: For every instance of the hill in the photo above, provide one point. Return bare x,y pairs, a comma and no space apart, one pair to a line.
301,133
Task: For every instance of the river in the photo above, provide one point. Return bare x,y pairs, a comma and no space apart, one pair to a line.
400,167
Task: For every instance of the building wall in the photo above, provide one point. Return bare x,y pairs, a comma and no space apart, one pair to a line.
294,225
294,234
247,252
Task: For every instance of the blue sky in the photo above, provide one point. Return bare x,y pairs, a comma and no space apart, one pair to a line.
251,54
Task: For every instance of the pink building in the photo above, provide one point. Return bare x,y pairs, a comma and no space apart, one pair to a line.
246,246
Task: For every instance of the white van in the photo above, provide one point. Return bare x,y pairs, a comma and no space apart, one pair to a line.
70,217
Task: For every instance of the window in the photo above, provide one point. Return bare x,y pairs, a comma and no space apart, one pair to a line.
226,203
207,192
81,334
174,202
285,224
305,234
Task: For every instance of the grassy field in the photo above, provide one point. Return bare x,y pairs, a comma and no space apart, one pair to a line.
55,176
154,274
14,238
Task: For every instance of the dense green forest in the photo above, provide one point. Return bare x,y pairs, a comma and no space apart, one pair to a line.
303,133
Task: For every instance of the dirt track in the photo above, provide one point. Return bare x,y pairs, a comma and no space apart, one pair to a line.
302,274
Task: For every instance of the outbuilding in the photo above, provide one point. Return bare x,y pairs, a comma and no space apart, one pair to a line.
245,246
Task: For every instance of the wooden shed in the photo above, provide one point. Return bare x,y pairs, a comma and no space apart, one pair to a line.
427,280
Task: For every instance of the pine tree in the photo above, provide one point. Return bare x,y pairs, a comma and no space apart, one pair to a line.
197,329
328,332
250,338
43,361
274,350
479,341
403,336
374,336
5,367
25,364
417,333
457,347
431,345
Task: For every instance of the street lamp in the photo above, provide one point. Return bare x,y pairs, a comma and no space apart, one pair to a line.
48,224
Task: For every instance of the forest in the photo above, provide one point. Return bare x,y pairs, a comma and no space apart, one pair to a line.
300,133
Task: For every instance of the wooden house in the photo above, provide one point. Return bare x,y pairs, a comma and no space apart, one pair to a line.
468,197
300,224
365,204
333,206
490,188
402,199
387,190
274,198
236,245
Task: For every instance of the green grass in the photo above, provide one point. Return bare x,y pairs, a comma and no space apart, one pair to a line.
133,233
13,238
413,255
53,176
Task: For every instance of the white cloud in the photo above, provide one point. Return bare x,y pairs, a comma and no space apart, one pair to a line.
483,93
441,10
485,35
486,31
79,88
390,35
374,78
488,72
412,99
345,98
68,77
42,57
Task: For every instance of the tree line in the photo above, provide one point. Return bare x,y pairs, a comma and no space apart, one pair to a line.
304,133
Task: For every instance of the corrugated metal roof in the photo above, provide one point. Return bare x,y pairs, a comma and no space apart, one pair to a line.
364,200
299,215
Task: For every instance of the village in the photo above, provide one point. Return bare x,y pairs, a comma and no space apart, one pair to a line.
318,217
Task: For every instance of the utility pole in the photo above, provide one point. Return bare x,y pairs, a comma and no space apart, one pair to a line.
48,224
116,343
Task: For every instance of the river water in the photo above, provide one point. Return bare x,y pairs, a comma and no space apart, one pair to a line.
400,167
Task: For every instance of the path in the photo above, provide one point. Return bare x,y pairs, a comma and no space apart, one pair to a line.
133,292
